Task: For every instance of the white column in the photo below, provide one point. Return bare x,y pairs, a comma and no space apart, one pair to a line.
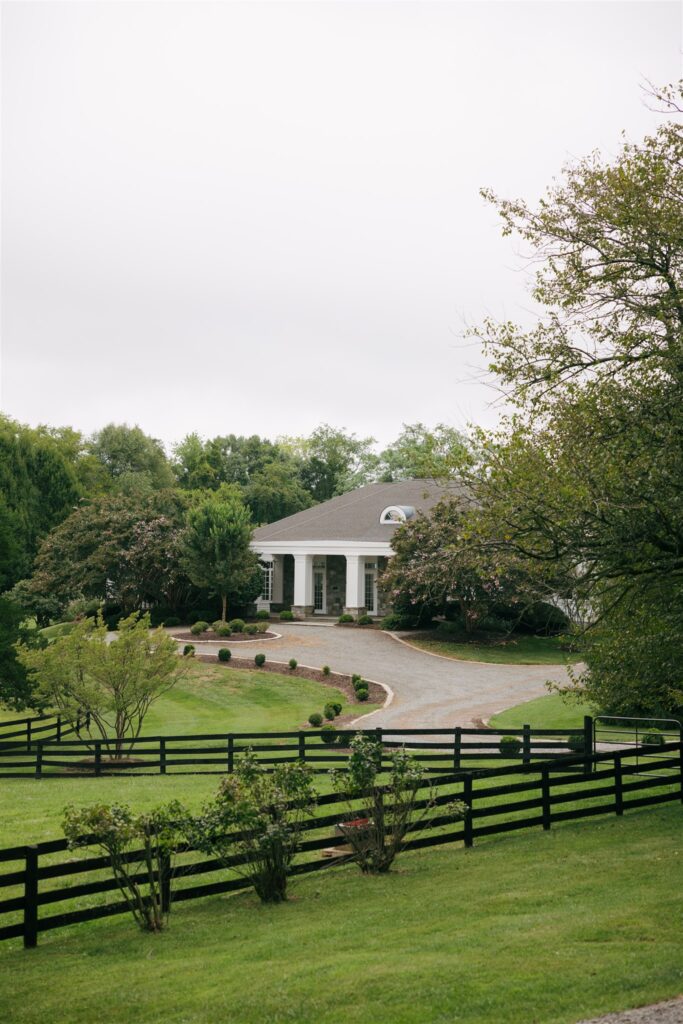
355,582
278,578
303,581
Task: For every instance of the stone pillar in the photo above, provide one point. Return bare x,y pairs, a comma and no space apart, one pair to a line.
355,585
303,586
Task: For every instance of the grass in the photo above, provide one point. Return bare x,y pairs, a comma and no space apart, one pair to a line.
544,713
521,650
546,928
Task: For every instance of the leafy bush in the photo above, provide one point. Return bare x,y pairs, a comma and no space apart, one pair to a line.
355,678
344,738
199,627
345,618
172,620
365,620
224,654
201,615
362,694
292,663
326,670
237,625
510,745
263,614
224,630
328,734
337,706
286,616
251,629
117,831
215,626
359,683
256,817
259,660
396,621
316,719
577,744
261,627
188,651
654,738
329,712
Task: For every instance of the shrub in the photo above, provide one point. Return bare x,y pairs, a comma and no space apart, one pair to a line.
396,621
201,615
259,660
292,663
344,738
328,734
224,654
337,707
188,651
199,627
510,745
355,678
224,630
172,620
345,618
329,712
577,744
326,670
653,738
261,627
251,629
362,694
286,616
237,625
360,684
365,620
263,614
215,626
316,719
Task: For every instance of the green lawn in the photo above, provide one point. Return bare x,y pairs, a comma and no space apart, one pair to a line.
544,713
523,650
545,928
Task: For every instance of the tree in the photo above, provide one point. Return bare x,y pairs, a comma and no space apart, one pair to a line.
16,689
216,551
333,461
419,452
229,459
275,492
127,451
257,819
116,683
586,475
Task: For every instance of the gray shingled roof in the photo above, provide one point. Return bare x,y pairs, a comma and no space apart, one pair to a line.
355,516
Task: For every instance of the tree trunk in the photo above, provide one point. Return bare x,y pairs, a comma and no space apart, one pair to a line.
224,598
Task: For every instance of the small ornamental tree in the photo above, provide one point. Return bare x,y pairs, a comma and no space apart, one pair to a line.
153,838
254,824
115,682
216,552
392,809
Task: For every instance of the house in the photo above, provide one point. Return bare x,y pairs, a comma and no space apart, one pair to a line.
327,559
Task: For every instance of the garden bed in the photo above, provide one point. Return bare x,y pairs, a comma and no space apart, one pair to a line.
336,680
235,638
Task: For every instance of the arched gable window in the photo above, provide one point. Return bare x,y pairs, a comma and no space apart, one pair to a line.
397,514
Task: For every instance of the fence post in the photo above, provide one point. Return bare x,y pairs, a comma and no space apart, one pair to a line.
59,728
87,721
162,756
231,752
618,786
457,745
467,800
98,757
165,882
28,736
545,796
378,736
526,744
587,743
302,745
680,760
39,760
31,898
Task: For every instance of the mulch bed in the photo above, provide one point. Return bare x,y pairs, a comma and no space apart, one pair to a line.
335,680
234,638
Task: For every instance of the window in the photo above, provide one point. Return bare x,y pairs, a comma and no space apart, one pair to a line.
267,589
397,514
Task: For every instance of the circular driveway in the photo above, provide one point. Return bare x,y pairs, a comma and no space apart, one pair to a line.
429,692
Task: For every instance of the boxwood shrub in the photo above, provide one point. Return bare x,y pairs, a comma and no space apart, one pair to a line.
224,654
362,694
237,625
510,745
286,616
259,660
292,663
199,627
316,719
345,618
263,614
188,651
328,734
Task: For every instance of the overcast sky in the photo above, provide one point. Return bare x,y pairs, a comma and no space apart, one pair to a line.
254,217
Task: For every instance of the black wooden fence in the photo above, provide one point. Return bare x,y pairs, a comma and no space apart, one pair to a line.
438,749
24,732
500,800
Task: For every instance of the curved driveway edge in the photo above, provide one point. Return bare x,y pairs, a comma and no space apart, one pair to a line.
429,692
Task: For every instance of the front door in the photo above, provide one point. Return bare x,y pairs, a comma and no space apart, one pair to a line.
319,590
371,588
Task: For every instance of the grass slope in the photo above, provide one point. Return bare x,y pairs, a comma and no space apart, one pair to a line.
543,928
523,650
544,713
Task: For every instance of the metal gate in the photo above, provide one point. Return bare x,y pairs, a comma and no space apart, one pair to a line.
641,737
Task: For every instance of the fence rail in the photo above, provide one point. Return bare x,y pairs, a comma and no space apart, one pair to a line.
438,749
499,800
24,732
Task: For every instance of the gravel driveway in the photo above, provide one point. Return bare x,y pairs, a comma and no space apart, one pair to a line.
670,1012
429,691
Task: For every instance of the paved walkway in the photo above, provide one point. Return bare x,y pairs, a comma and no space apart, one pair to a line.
429,692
